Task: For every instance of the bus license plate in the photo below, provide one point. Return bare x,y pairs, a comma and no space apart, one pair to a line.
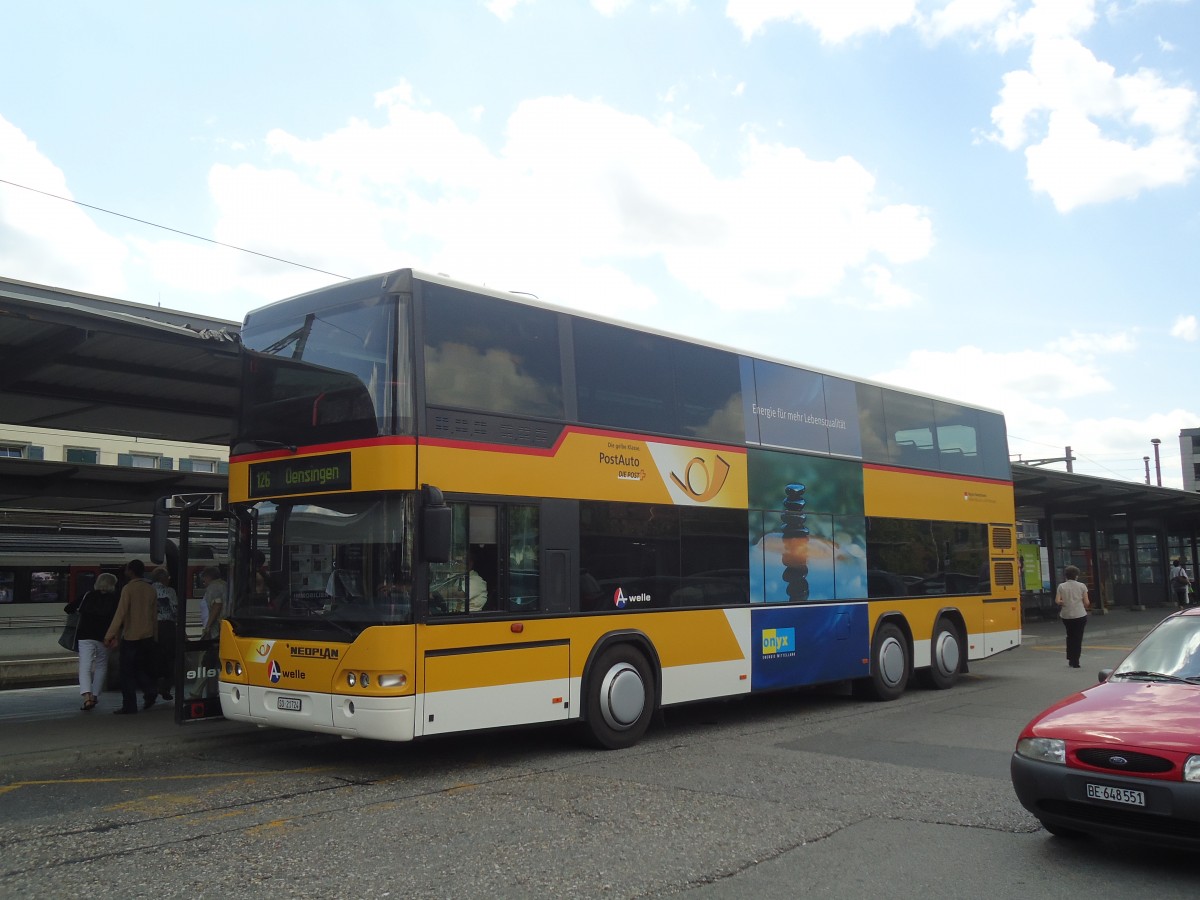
292,704
1116,795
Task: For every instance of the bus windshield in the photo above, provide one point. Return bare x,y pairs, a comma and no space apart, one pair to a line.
314,376
322,566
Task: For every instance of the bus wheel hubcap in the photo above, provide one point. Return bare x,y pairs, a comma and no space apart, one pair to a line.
622,696
946,658
891,661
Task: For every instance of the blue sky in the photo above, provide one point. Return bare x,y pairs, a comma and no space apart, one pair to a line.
994,201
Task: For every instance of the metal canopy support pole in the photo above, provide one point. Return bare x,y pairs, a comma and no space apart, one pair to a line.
1051,552
1098,607
1134,581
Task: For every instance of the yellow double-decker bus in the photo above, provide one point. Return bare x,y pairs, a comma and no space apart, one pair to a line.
457,508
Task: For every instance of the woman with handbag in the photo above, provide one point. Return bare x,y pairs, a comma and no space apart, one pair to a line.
95,611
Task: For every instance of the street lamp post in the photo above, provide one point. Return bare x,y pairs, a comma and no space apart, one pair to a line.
1157,465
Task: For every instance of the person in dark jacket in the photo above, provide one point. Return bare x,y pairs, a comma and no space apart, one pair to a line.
96,611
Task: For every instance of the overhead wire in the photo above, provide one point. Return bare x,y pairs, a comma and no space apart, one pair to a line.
198,237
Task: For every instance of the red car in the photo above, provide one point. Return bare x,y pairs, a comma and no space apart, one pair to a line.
1122,759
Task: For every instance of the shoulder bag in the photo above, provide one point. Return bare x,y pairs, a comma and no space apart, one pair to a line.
69,639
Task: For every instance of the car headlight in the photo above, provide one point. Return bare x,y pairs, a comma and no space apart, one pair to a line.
1050,750
1191,769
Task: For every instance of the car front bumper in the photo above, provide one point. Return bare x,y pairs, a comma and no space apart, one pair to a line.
1058,795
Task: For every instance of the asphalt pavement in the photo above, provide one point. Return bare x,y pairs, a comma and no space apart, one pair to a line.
44,732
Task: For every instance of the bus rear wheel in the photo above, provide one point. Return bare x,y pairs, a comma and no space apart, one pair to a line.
890,665
620,698
946,657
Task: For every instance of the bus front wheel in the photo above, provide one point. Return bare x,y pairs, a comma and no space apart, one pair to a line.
620,698
890,665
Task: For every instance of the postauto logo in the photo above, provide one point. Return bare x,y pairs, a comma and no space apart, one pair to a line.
778,641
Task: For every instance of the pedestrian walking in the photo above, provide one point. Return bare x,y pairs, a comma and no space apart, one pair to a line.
96,610
1180,583
1073,603
135,624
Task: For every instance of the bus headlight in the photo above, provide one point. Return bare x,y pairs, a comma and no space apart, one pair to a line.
1048,750
351,678
391,681
364,679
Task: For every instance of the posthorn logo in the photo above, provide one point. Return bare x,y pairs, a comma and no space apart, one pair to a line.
276,673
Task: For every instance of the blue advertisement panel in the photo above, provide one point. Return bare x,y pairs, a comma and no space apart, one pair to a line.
800,645
799,410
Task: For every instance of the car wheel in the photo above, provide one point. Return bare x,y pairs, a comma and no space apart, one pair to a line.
620,698
890,665
946,657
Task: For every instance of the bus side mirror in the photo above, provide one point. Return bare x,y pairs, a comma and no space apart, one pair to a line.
436,526
160,522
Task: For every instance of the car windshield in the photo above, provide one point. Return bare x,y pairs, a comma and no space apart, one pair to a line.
1172,651
329,566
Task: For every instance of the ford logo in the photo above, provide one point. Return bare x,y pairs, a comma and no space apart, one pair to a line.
1118,760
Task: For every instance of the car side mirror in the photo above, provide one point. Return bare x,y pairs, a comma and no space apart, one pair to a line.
1105,674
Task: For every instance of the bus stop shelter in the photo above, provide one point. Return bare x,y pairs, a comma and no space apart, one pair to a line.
1122,535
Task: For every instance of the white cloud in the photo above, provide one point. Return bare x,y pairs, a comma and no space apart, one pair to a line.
578,195
835,20
504,9
609,7
1091,345
966,16
1186,328
1090,135
46,240
885,292
1045,20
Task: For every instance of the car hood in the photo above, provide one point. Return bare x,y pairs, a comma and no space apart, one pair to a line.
1140,713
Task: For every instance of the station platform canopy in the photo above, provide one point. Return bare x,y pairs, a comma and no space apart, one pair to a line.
1042,493
80,362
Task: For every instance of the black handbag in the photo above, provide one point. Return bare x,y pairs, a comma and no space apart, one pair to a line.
69,639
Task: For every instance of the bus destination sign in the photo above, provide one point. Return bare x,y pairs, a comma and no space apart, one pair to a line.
310,475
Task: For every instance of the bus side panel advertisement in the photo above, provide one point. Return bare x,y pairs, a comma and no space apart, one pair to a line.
595,466
807,530
799,645
799,410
